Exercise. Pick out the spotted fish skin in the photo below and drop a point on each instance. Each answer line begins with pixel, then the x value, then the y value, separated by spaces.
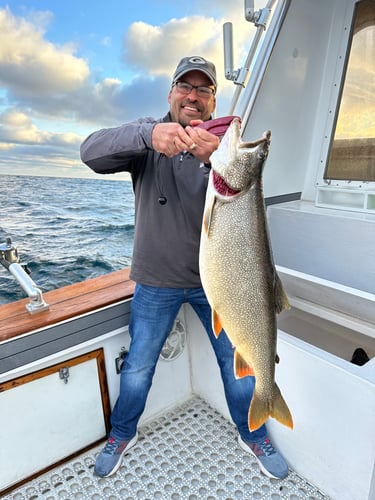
pixel 238 272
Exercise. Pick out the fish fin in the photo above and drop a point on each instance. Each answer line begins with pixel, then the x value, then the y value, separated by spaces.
pixel 261 409
pixel 216 323
pixel 241 367
pixel 207 220
pixel 281 298
pixel 207 217
pixel 259 412
pixel 280 409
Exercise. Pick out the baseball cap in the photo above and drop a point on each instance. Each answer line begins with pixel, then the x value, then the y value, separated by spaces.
pixel 196 63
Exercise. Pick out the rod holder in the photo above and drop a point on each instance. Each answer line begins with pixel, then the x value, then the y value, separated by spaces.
pixel 10 260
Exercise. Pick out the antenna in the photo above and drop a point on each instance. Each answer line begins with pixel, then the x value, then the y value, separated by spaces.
pixel 228 51
pixel 230 73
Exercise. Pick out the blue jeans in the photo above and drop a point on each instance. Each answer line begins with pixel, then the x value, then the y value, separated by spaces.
pixel 153 311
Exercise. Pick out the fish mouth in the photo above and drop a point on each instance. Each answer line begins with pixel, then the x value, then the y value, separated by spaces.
pixel 222 188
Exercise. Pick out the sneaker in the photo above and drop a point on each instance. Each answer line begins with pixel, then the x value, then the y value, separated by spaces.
pixel 270 461
pixel 109 459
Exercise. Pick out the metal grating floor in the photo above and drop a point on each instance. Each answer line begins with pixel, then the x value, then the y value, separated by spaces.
pixel 190 453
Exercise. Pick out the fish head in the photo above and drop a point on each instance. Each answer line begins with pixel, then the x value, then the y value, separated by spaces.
pixel 236 164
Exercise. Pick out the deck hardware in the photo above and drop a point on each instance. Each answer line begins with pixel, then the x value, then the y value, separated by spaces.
pixel 64 374
pixel 259 18
pixel 10 260
pixel 175 342
pixel 119 361
pixel 8 252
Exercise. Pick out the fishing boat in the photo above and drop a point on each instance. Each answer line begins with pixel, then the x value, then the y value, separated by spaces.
pixel 309 78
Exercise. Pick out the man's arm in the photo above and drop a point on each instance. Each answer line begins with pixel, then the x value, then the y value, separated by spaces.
pixel 115 149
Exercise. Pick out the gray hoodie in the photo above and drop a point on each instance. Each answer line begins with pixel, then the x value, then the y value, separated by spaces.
pixel 166 238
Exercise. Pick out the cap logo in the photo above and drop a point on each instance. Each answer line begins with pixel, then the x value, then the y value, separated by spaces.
pixel 197 60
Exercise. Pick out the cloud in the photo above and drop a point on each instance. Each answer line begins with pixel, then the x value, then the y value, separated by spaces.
pixel 156 50
pixel 32 149
pixel 30 64
pixel 14 118
pixel 16 127
pixel 54 82
pixel 52 98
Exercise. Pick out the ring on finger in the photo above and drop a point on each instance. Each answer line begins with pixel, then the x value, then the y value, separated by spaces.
pixel 192 146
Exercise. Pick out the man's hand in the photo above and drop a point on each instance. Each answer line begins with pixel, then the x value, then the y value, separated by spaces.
pixel 164 138
pixel 204 143
pixel 171 139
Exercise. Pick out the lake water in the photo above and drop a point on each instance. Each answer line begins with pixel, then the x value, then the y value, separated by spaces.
pixel 66 230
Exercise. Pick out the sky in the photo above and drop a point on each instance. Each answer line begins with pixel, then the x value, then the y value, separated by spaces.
pixel 68 68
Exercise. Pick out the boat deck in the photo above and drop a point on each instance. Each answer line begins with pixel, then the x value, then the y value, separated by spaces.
pixel 190 452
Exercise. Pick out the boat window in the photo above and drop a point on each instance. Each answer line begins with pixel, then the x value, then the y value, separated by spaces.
pixel 352 155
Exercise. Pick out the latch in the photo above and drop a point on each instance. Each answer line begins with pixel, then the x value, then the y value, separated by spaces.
pixel 120 360
pixel 64 374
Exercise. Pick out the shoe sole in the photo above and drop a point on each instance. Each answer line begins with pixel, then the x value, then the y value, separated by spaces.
pixel 246 448
pixel 131 443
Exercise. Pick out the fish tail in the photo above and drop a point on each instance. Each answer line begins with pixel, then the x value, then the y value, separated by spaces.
pixel 280 409
pixel 259 412
pixel 261 409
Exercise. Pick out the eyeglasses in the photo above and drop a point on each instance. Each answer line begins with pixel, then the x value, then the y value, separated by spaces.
pixel 202 91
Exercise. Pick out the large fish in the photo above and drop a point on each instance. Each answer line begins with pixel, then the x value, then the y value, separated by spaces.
pixel 237 269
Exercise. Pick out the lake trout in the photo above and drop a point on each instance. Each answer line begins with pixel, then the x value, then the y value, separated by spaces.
pixel 237 269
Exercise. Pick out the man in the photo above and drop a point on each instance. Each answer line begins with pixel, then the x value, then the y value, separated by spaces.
pixel 168 160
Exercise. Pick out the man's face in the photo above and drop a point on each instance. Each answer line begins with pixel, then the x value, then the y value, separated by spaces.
pixel 185 108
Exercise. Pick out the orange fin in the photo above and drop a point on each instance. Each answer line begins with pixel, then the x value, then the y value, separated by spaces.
pixel 261 409
pixel 241 368
pixel 280 410
pixel 216 323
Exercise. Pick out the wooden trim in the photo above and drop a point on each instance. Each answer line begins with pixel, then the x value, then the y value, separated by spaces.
pixel 66 303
